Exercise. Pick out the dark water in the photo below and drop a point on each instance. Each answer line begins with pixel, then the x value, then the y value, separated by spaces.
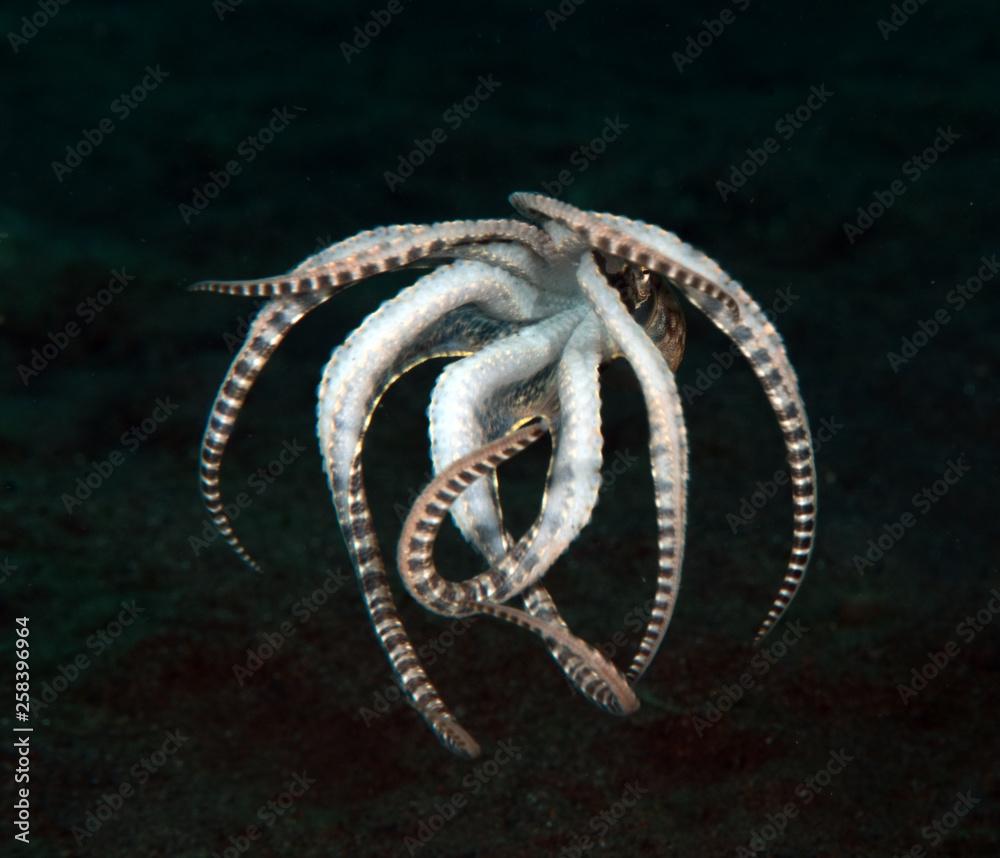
pixel 845 170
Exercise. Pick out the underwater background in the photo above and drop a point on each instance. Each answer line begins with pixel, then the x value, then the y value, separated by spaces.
pixel 840 160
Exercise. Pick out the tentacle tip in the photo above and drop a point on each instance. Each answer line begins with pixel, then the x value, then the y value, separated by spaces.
pixel 460 742
pixel 521 201
pixel 253 564
pixel 629 705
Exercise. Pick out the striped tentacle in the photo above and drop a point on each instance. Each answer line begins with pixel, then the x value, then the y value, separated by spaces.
pixel 633 241
pixel 471 406
pixel 581 676
pixel 381 251
pixel 464 413
pixel 269 328
pixel 762 346
pixel 574 479
pixel 353 380
pixel 667 451
pixel 587 668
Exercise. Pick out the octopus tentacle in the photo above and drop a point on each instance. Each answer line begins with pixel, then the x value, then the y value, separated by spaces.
pixel 461 410
pixel 764 349
pixel 467 410
pixel 597 678
pixel 581 676
pixel 714 293
pixel 390 250
pixel 534 311
pixel 352 383
pixel 571 491
pixel 269 328
pixel 633 241
pixel 667 450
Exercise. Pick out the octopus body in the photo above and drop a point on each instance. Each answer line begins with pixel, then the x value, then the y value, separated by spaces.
pixel 531 309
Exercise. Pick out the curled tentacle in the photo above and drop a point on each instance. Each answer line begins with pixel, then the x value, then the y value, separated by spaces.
pixel 474 402
pixel 599 680
pixel 574 478
pixel 463 416
pixel 395 337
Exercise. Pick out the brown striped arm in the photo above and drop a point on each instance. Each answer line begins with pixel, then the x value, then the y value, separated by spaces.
pixel 384 250
pixel 269 328
pixel 598 679
pixel 668 451
pixel 763 348
pixel 686 268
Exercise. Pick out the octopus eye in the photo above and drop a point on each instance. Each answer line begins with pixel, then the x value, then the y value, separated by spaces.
pixel 652 302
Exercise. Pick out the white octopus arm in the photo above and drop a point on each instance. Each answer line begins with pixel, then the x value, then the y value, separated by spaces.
pixel 667 449
pixel 457 426
pixel 352 381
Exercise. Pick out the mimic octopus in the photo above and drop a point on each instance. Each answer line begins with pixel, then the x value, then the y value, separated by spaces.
pixel 532 309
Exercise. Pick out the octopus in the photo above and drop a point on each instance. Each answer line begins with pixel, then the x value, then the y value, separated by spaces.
pixel 529 310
